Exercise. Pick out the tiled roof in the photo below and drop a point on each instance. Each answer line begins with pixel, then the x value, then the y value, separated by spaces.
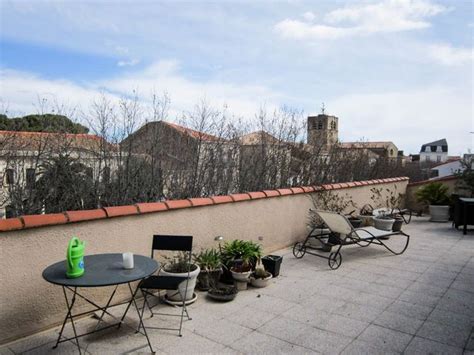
pixel 193 133
pixel 25 222
pixel 365 145
pixel 34 140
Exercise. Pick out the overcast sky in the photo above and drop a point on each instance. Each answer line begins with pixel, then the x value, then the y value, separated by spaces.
pixel 395 70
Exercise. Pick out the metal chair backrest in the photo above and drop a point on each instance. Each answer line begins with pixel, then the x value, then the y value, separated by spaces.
pixel 172 243
pixel 336 222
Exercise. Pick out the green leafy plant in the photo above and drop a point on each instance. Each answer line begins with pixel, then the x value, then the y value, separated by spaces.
pixel 246 253
pixel 434 193
pixel 208 259
pixel 179 263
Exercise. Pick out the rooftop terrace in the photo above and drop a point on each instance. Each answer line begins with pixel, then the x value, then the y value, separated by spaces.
pixel 420 302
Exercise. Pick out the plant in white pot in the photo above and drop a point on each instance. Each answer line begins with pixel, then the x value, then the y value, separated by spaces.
pixel 209 261
pixel 384 222
pixel 240 257
pixel 435 195
pixel 260 277
pixel 178 266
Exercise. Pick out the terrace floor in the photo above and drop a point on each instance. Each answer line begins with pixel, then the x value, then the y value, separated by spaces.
pixel 421 302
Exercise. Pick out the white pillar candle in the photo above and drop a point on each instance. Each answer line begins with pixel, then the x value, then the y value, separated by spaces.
pixel 127 260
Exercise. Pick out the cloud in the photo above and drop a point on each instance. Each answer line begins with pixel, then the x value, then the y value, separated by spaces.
pixel 309 16
pixel 448 55
pixel 363 20
pixel 408 118
pixel 20 90
pixel 128 63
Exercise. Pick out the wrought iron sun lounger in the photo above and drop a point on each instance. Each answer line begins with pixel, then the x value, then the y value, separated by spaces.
pixel 343 233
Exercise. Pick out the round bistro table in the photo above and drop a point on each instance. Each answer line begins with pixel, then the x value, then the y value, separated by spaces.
pixel 100 270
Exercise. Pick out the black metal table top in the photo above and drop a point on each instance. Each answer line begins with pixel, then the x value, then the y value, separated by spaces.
pixel 467 199
pixel 102 270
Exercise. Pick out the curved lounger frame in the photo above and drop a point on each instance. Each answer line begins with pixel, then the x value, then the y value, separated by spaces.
pixel 341 232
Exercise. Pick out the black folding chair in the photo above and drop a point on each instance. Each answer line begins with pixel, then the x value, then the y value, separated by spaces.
pixel 164 282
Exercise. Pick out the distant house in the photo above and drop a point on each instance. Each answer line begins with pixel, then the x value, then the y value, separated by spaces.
pixel 382 149
pixel 436 151
pixel 23 153
pixel 446 169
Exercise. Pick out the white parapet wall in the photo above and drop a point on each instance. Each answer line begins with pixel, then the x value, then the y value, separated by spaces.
pixel 29 244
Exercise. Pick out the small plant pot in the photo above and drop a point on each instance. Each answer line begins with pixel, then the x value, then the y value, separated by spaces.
pixel 367 221
pixel 385 224
pixel 356 222
pixel 175 295
pixel 223 294
pixel 241 285
pixel 241 276
pixel 272 264
pixel 260 282
pixel 439 213
pixel 397 225
pixel 208 278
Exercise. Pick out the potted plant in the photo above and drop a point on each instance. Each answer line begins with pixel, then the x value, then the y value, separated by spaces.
pixel 435 195
pixel 260 277
pixel 384 222
pixel 209 262
pixel 240 257
pixel 397 224
pixel 223 293
pixel 178 266
pixel 366 215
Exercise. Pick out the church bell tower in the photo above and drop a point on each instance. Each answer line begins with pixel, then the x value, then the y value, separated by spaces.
pixel 323 130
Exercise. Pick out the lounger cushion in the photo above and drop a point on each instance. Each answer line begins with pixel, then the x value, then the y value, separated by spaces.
pixel 372 232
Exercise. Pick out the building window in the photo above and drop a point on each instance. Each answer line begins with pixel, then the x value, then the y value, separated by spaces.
pixel 428 158
pixel 427 149
pixel 30 177
pixel 10 177
pixel 438 158
pixel 320 125
pixel 391 152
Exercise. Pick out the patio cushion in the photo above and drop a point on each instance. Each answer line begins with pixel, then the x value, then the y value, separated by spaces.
pixel 372 232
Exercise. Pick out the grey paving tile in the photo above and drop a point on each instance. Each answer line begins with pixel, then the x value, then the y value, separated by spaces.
pixel 384 290
pixel 250 317
pixel 323 302
pixel 192 343
pixel 341 325
pixel 410 310
pixel 222 331
pixel 359 347
pixel 272 304
pixel 424 346
pixel 451 319
pixel 398 322
pixel 259 343
pixel 443 333
pixel 371 300
pixel 322 341
pixel 385 338
pixel 419 298
pixel 285 329
pixel 432 290
pixel 358 312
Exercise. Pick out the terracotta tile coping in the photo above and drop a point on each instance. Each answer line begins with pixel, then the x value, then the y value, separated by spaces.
pixel 32 221
pixel 445 178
